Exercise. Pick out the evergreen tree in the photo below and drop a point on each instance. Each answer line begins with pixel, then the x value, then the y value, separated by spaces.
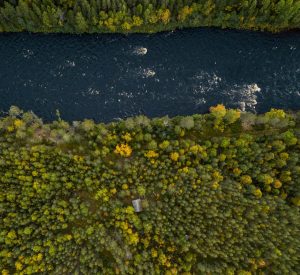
pixel 81 24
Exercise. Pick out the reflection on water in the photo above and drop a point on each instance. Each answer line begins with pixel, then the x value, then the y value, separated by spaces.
pixel 106 77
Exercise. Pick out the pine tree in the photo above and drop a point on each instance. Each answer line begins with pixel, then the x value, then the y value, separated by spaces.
pixel 46 21
pixel 81 24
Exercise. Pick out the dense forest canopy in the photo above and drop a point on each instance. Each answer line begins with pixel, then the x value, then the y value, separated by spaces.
pixel 220 195
pixel 80 16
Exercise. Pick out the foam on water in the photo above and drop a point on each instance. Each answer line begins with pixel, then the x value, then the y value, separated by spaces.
pixel 70 63
pixel 210 85
pixel 146 72
pixel 149 73
pixel 140 51
pixel 245 96
pixel 91 91
pixel 126 94
pixel 26 53
pixel 204 82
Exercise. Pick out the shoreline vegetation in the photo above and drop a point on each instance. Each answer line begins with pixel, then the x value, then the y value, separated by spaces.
pixel 220 194
pixel 146 16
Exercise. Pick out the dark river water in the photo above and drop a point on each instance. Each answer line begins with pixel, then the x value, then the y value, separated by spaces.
pixel 106 77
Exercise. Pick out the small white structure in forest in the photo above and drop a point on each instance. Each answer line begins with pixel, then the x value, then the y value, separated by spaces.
pixel 137 205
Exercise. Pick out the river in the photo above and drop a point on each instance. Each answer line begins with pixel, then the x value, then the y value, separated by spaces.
pixel 107 77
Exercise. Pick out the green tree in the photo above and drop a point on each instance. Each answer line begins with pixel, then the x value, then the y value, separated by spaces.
pixel 81 23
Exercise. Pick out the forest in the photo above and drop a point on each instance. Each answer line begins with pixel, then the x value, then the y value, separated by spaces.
pixel 219 192
pixel 146 16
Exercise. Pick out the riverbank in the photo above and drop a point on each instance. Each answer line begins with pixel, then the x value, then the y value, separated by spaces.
pixel 110 16
pixel 219 194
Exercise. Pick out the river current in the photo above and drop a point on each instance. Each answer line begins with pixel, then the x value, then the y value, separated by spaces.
pixel 108 77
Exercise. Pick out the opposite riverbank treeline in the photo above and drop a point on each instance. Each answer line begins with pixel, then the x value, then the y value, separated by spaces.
pixel 220 194
pixel 90 16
